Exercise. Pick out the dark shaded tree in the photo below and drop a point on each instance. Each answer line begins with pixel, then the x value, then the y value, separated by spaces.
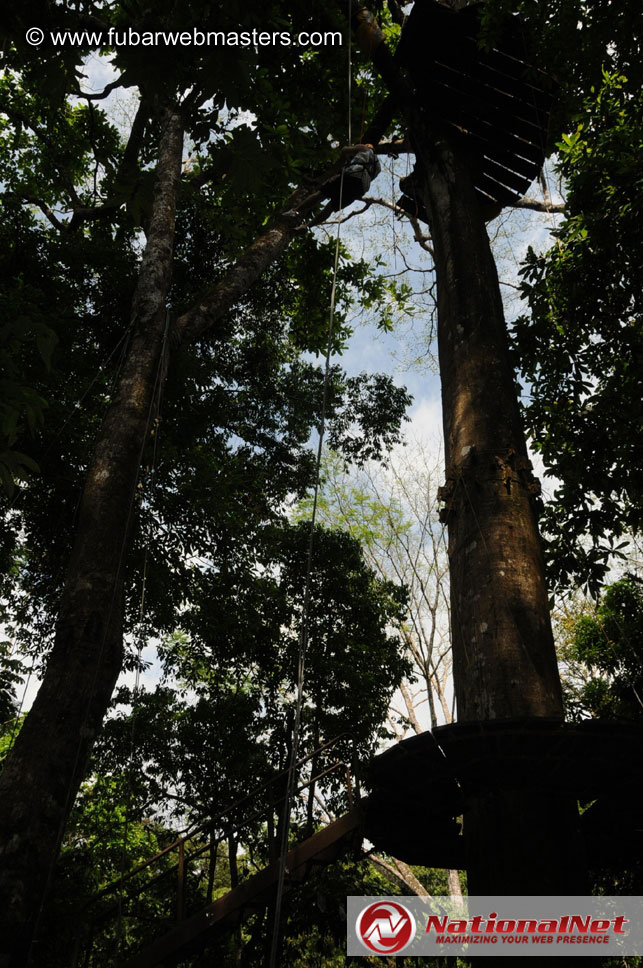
pixel 72 167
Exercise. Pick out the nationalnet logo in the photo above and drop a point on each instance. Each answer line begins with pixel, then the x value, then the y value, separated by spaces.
pixel 385 927
pixel 569 929
pixel 512 926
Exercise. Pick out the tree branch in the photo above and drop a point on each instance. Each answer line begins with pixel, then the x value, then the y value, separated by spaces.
pixel 119 82
pixel 420 237
pixel 400 874
pixel 410 709
pixel 127 171
pixel 269 246
pixel 47 212
pixel 539 206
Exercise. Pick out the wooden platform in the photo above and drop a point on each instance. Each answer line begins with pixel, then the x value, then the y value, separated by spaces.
pixel 494 98
pixel 421 786
pixel 413 804
pixel 586 760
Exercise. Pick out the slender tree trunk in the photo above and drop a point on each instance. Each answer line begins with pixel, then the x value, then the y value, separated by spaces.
pixel 44 770
pixel 453 882
pixel 504 661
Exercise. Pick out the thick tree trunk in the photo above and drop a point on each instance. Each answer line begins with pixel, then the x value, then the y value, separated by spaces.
pixel 504 661
pixel 45 768
pixel 43 772
pixel 503 650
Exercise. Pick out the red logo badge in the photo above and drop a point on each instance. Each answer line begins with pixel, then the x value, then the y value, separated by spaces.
pixel 385 927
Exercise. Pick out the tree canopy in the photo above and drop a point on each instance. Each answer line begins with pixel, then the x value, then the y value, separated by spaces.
pixel 164 317
pixel 580 349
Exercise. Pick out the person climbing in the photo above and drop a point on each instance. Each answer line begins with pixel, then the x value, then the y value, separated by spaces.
pixel 353 181
pixel 347 187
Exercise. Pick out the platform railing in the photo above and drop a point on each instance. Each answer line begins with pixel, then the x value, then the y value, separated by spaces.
pixel 264 803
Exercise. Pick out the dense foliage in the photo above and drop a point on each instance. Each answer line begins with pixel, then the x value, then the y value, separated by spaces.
pixel 605 639
pixel 581 347
pixel 214 569
pixel 218 726
pixel 238 410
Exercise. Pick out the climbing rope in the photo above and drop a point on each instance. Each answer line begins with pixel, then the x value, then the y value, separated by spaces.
pixel 303 633
pixel 157 396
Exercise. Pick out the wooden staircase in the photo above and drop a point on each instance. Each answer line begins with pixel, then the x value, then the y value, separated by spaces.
pixel 198 921
pixel 193 934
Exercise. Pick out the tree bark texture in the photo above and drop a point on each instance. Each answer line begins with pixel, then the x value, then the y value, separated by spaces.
pixel 504 661
pixel 265 250
pixel 503 650
pixel 44 770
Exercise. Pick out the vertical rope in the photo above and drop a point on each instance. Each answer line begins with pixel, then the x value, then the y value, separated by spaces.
pixel 158 389
pixel 303 633
pixel 350 73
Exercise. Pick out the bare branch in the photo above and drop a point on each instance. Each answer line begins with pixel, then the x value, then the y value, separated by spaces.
pixel 420 237
pixel 401 146
pixel 408 702
pixel 536 205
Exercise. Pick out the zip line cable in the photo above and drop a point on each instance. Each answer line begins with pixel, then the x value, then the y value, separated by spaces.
pixel 303 634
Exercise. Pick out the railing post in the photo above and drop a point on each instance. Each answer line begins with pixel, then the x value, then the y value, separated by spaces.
pixel 349 788
pixel 272 854
pixel 180 897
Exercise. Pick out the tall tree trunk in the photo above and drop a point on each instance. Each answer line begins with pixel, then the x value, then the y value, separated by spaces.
pixel 504 661
pixel 44 770
pixel 503 649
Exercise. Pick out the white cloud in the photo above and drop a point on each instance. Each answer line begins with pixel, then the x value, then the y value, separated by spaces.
pixel 426 421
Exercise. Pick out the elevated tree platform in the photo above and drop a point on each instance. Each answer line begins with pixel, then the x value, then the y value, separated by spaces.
pixel 413 805
pixel 428 780
pixel 493 97
pixel 420 788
